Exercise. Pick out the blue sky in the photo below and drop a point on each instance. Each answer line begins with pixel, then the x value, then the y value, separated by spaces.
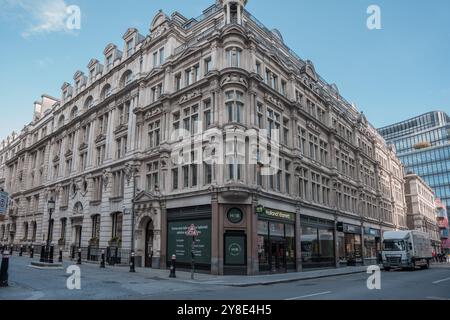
pixel 391 74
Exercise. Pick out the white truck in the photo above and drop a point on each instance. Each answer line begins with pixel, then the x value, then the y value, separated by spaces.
pixel 406 249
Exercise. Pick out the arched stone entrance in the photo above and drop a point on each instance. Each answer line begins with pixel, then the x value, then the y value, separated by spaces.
pixel 147 231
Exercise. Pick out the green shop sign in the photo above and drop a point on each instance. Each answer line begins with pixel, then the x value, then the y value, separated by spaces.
pixel 235 215
pixel 266 213
pixel 180 244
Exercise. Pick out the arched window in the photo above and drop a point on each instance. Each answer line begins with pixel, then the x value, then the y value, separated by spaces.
pixel 127 78
pixel 61 121
pixel 234 101
pixel 106 92
pixel 234 57
pixel 89 102
pixel 74 113
pixel 78 209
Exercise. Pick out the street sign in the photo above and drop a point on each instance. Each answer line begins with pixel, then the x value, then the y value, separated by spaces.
pixel 192 231
pixel 3 202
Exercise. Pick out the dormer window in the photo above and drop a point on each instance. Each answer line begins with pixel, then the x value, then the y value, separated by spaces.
pixel 77 86
pixel 92 75
pixel 109 63
pixel 130 48
pixel 106 92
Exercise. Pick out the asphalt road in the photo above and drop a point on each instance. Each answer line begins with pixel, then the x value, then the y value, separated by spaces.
pixel 113 283
pixel 433 284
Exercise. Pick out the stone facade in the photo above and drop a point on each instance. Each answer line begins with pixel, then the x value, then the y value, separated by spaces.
pixel 421 207
pixel 112 136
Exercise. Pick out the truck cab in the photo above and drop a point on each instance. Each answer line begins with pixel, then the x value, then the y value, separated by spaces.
pixel 406 249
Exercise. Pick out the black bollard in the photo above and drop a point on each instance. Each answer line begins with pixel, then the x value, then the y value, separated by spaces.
pixel 42 259
pixel 51 254
pixel 79 257
pixel 132 263
pixel 32 252
pixel 173 267
pixel 4 269
pixel 102 262
pixel 11 250
pixel 60 259
pixel 21 251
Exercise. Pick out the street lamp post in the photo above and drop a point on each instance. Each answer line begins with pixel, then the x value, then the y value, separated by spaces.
pixel 51 208
pixel 132 256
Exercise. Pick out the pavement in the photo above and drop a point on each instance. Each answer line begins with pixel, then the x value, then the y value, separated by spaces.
pixel 113 283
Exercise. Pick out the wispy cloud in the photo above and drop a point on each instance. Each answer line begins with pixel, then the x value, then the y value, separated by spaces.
pixel 38 17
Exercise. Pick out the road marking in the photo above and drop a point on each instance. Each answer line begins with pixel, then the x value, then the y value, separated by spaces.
pixel 443 280
pixel 310 295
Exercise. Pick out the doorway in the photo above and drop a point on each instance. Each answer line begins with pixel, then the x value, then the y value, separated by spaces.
pixel 149 245
pixel 78 232
pixel 278 256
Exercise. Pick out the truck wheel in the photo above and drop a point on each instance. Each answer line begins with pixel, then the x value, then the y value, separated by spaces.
pixel 387 269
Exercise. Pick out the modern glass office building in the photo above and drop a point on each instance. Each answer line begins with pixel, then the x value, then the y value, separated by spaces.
pixel 423 145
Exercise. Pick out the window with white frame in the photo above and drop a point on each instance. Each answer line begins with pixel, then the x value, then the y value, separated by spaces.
pixel 130 48
pixel 234 57
pixel 121 147
pixel 101 152
pixel 123 113
pixel 208 65
pixel 191 120
pixel 109 62
pixel 118 183
pixel 98 188
pixel 207 114
pixel 152 176
pixel 154 134
pixel 234 101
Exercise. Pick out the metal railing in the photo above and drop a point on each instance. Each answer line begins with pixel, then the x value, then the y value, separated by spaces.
pixel 113 255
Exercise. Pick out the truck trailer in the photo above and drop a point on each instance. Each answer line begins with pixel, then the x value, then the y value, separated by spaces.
pixel 406 249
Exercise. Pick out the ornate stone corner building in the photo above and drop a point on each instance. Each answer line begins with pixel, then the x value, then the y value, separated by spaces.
pixel 105 150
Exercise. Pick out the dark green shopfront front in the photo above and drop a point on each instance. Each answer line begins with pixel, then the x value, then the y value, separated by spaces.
pixel 253 239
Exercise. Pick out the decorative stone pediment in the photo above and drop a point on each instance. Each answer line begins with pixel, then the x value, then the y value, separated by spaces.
pixel 189 96
pixel 158 21
pixel 309 70
pixel 234 79
pixel 311 125
pixel 152 112
pixel 129 33
pixel 92 63
pixel 273 100
pixel 82 146
pixel 56 158
pixel 145 197
pixel 110 47
pixel 100 138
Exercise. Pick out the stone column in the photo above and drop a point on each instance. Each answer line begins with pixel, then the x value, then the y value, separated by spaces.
pixel 216 264
pixel 163 236
pixel 298 238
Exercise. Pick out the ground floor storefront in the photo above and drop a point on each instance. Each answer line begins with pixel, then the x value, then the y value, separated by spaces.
pixel 238 233
pixel 259 236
